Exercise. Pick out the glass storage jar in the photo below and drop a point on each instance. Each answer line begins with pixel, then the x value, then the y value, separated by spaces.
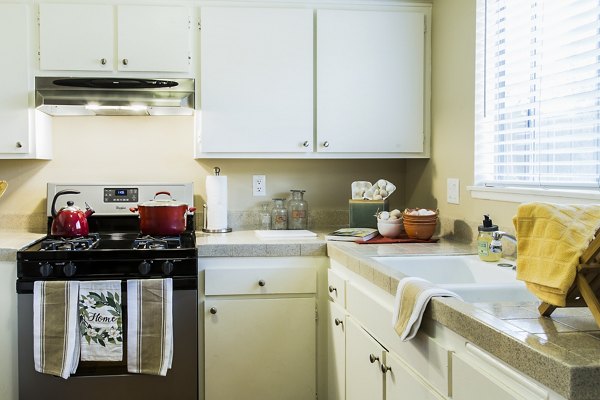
pixel 278 215
pixel 297 210
pixel 264 217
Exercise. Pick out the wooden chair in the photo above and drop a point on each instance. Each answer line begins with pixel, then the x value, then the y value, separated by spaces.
pixel 586 288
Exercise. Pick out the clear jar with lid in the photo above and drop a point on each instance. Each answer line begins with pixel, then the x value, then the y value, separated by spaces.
pixel 279 215
pixel 264 217
pixel 297 210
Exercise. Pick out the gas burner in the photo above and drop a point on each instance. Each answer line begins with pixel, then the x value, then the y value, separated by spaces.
pixel 163 242
pixel 70 244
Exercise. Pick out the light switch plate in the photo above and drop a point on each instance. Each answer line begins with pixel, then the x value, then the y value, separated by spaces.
pixel 453 190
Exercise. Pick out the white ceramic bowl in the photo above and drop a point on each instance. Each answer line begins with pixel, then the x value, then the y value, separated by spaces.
pixel 390 229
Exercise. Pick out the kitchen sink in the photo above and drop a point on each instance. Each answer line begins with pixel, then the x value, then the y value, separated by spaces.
pixel 474 280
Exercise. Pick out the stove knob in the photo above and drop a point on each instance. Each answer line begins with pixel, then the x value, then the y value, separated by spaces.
pixel 144 267
pixel 167 267
pixel 46 269
pixel 69 269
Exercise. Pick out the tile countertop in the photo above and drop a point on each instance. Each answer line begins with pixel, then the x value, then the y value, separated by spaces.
pixel 562 352
pixel 11 241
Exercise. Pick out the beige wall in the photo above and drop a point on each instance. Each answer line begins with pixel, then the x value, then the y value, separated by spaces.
pixel 453 59
pixel 159 149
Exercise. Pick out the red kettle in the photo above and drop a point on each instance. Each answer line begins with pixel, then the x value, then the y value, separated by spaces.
pixel 70 221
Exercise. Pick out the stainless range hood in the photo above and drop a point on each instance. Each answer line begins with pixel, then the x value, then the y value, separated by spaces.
pixel 114 96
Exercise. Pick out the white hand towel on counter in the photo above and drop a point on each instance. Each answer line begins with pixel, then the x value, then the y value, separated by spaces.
pixel 55 327
pixel 100 321
pixel 412 296
pixel 149 326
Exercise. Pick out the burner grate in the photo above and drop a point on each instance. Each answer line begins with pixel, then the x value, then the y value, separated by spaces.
pixel 163 242
pixel 79 243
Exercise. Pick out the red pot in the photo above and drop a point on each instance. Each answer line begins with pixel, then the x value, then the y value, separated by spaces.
pixel 162 217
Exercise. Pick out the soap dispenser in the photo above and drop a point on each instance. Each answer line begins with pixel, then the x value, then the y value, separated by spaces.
pixel 486 251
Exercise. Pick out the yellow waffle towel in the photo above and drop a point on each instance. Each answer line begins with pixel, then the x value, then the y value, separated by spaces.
pixel 551 238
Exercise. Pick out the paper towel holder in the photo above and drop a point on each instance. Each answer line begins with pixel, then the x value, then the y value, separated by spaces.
pixel 205 224
pixel 217 171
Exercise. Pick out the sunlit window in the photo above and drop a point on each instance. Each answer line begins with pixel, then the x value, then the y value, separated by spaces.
pixel 538 93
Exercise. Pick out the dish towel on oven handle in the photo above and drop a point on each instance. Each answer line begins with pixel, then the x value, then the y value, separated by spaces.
pixel 55 327
pixel 149 326
pixel 100 321
pixel 412 296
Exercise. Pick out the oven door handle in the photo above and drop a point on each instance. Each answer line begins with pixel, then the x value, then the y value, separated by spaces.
pixel 179 283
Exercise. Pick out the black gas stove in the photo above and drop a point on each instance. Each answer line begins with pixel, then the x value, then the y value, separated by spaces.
pixel 113 249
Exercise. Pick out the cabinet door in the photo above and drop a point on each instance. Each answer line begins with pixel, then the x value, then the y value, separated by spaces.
pixel 403 384
pixel 471 378
pixel 154 38
pixel 256 84
pixel 370 81
pixel 260 349
pixel 14 47
pixel 336 358
pixel 77 37
pixel 364 379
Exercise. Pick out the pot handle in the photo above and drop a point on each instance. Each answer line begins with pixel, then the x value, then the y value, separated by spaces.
pixel 167 193
pixel 133 209
pixel 191 209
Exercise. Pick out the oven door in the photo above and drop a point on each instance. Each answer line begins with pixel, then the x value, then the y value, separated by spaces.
pixel 105 380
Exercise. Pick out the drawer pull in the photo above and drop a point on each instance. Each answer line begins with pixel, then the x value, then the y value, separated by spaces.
pixel 262 282
pixel 332 289
pixel 385 368
pixel 373 358
pixel 338 322
pixel 213 310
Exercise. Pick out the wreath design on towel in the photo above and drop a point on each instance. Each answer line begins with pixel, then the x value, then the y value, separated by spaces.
pixel 93 301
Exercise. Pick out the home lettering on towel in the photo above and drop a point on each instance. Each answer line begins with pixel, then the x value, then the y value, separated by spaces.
pixel 100 321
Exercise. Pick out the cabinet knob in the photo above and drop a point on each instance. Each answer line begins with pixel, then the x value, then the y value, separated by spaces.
pixel 213 310
pixel 19 145
pixel 338 322
pixel 332 289
pixel 373 358
pixel 385 368
pixel 103 61
pixel 306 144
pixel 325 144
pixel 262 282
pixel 125 61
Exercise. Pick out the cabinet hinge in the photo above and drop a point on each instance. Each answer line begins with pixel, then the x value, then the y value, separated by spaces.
pixel 316 313
pixel 425 25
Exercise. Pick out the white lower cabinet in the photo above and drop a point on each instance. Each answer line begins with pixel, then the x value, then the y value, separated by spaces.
pixel 403 384
pixel 336 348
pixel 476 372
pixel 259 349
pixel 260 329
pixel 437 364
pixel 364 379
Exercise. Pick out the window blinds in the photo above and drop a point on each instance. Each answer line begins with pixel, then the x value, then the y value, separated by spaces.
pixel 538 93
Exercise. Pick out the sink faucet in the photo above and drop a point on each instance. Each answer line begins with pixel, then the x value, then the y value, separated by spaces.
pixel 497 235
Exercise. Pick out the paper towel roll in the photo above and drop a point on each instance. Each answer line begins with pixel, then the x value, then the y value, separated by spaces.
pixel 216 202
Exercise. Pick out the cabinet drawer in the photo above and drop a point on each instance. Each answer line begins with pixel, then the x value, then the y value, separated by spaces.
pixel 336 286
pixel 422 353
pixel 267 280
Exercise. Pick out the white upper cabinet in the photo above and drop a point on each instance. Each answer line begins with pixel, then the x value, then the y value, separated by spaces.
pixel 306 83
pixel 370 81
pixel 256 82
pixel 154 38
pixel 78 37
pixel 81 37
pixel 23 132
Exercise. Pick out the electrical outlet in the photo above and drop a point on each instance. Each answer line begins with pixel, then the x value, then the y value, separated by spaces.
pixel 259 185
pixel 453 190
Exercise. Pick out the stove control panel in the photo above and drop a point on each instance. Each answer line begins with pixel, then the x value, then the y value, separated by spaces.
pixel 121 195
